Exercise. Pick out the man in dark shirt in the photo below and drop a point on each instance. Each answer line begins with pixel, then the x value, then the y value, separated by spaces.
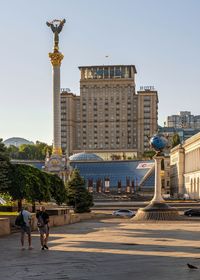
pixel 43 227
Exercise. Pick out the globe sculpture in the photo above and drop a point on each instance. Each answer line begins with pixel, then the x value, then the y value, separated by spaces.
pixel 158 142
pixel 157 208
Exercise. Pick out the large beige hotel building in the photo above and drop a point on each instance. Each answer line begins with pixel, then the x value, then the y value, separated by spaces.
pixel 108 118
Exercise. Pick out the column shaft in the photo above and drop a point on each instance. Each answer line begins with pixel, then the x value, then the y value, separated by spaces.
pixel 56 111
pixel 157 192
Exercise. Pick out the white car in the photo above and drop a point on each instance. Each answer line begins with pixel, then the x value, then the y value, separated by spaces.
pixel 2 201
pixel 123 213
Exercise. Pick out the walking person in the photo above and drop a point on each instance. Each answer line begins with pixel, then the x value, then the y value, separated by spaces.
pixel 43 227
pixel 25 226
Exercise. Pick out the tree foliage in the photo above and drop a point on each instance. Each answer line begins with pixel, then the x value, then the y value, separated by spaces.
pixel 30 151
pixel 77 194
pixel 57 188
pixel 4 166
pixel 175 140
pixel 28 182
pixel 38 186
pixel 149 154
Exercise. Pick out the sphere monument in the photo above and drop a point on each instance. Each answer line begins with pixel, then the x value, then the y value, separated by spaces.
pixel 157 208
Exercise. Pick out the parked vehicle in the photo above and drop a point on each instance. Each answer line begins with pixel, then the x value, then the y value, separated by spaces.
pixel 123 213
pixel 192 212
pixel 2 201
pixel 166 195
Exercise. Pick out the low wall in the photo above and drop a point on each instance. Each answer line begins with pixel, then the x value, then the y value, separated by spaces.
pixel 74 218
pixel 64 219
pixel 8 208
pixel 8 222
pixel 4 226
pixel 11 219
pixel 86 216
pixel 57 211
pixel 59 220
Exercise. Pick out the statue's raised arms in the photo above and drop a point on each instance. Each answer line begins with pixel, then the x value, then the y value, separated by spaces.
pixel 56 26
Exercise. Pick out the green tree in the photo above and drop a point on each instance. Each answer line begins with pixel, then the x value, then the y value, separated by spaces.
pixel 38 186
pixel 149 154
pixel 18 177
pixel 4 167
pixel 13 152
pixel 33 185
pixel 41 150
pixel 77 194
pixel 28 182
pixel 175 140
pixel 57 189
pixel 30 151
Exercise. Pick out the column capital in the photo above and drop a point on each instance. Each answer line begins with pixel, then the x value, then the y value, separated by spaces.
pixel 158 158
pixel 57 151
pixel 56 58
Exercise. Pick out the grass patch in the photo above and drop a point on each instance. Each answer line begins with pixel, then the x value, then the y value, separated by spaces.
pixel 8 213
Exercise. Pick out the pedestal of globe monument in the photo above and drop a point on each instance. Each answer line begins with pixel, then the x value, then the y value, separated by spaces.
pixel 157 208
pixel 157 211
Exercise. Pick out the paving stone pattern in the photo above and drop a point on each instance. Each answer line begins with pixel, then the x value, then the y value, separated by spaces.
pixel 110 249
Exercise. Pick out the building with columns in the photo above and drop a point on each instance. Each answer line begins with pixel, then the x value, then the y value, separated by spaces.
pixel 185 168
pixel 108 118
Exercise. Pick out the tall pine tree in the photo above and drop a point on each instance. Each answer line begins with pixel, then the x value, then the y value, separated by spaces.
pixel 4 165
pixel 77 194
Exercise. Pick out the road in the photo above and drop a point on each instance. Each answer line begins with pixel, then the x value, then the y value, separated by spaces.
pixel 107 249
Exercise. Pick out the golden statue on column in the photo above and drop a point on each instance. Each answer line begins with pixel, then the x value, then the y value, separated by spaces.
pixel 56 26
pixel 57 162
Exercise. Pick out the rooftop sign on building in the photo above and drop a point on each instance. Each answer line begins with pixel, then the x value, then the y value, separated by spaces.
pixel 145 165
pixel 147 88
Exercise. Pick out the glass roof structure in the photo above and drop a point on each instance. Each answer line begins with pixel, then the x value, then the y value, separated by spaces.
pixel 85 157
pixel 114 170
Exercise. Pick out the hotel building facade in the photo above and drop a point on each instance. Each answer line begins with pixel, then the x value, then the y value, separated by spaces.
pixel 108 118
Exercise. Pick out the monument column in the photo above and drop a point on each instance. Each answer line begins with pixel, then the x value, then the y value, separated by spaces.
pixel 158 190
pixel 56 58
pixel 157 208
pixel 56 163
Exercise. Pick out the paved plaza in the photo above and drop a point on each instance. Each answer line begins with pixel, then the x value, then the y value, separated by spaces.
pixel 107 249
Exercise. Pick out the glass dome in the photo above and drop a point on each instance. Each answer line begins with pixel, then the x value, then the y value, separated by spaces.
pixel 16 141
pixel 85 157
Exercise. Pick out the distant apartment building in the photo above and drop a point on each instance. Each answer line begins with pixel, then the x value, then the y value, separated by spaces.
pixel 108 118
pixel 184 133
pixel 183 120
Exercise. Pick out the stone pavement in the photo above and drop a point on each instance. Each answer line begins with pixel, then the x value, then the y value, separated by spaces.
pixel 109 249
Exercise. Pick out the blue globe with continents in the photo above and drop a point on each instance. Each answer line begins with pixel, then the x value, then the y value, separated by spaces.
pixel 158 142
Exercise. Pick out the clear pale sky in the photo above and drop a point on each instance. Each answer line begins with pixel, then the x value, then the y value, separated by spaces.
pixel 161 38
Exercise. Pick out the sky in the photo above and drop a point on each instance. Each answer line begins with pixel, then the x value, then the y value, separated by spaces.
pixel 161 38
